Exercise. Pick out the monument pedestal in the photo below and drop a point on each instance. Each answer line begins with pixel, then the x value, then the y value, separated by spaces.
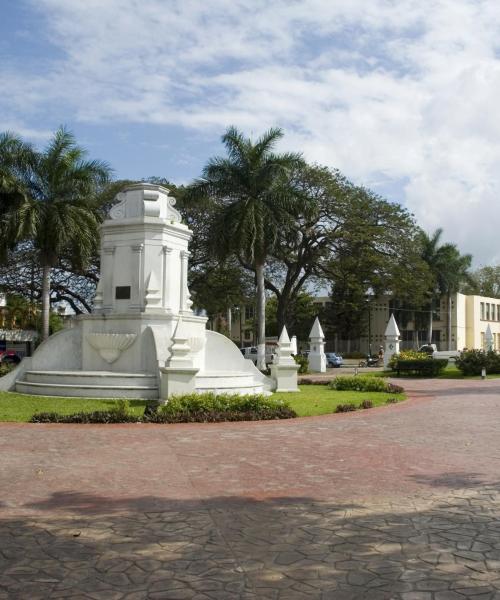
pixel 177 381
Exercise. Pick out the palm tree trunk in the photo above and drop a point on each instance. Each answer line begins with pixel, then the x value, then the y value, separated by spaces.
pixel 448 334
pixel 429 341
pixel 45 301
pixel 261 317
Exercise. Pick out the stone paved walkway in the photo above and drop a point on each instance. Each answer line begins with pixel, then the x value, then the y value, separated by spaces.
pixel 400 502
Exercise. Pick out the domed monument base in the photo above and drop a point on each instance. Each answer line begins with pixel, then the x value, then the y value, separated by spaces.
pixel 142 339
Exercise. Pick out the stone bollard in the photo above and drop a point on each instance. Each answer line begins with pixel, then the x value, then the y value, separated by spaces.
pixel 391 337
pixel 317 358
pixel 284 368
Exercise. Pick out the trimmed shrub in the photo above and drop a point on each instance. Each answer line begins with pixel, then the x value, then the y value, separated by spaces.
pixel 359 384
pixel 427 367
pixel 353 355
pixel 184 409
pixel 97 416
pixel 303 363
pixel 348 407
pixel 366 404
pixel 417 363
pixel 392 388
pixel 407 355
pixel 312 382
pixel 210 407
pixel 471 362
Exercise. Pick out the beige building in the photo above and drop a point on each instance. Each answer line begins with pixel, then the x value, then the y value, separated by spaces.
pixel 470 316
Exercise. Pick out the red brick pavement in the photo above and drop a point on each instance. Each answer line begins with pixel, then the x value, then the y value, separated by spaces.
pixel 394 503
pixel 445 435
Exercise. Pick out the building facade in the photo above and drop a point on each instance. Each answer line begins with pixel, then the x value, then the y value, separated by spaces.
pixel 466 322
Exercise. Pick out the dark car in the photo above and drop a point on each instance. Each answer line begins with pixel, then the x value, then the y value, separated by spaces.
pixel 10 358
pixel 333 360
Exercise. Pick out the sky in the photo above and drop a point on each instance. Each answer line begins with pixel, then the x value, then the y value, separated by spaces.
pixel 401 95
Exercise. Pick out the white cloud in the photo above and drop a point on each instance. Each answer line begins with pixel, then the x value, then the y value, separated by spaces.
pixel 386 90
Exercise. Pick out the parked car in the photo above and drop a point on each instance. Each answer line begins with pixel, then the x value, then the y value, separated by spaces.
pixel 10 358
pixel 251 354
pixel 432 350
pixel 333 360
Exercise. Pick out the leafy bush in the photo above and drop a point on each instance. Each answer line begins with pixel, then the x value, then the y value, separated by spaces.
pixel 471 362
pixel 312 382
pixel 359 384
pixel 366 404
pixel 98 416
pixel 6 368
pixel 210 407
pixel 184 409
pixel 353 355
pixel 427 367
pixel 420 363
pixel 407 355
pixel 348 407
pixel 391 401
pixel 392 388
pixel 303 363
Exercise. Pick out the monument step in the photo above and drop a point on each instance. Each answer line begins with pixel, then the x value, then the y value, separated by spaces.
pixel 91 384
pixel 96 378
pixel 223 382
pixel 224 379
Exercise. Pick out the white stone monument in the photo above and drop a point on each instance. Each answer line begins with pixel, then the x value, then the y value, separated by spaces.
pixel 293 347
pixel 142 339
pixel 284 368
pixel 391 337
pixel 317 358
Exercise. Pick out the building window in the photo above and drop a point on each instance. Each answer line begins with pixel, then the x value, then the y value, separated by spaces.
pixel 249 312
pixel 487 311
pixel 482 311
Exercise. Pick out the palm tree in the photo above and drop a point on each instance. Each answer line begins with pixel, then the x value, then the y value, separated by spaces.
pixel 256 199
pixel 448 268
pixel 49 200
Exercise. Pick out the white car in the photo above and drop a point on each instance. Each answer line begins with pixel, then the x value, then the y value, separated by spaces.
pixel 445 354
pixel 251 353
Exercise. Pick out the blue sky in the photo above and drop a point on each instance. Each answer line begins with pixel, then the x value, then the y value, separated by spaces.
pixel 400 95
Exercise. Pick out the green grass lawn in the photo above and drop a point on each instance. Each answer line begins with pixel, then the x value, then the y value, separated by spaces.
pixel 21 407
pixel 451 372
pixel 312 400
pixel 320 400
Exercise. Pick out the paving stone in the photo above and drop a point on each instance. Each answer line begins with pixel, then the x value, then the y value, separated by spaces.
pixel 261 511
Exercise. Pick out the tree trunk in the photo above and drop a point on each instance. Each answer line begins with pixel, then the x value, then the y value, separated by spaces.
pixel 229 323
pixel 45 301
pixel 448 333
pixel 429 337
pixel 261 317
pixel 281 314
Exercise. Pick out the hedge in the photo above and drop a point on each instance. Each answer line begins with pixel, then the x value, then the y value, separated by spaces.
pixel 472 362
pixel 358 383
pixel 189 408
pixel 429 367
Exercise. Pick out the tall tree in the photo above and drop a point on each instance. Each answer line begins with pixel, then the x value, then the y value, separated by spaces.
pixel 252 188
pixel 449 270
pixel 485 281
pixel 57 210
